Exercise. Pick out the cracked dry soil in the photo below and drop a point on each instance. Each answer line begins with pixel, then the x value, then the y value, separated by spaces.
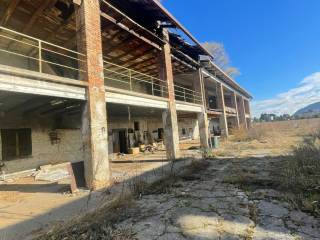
pixel 201 205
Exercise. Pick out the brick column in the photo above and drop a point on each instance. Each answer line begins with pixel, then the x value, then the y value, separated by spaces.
pixel 235 105
pixel 202 117
pixel 169 116
pixel 94 118
pixel 222 107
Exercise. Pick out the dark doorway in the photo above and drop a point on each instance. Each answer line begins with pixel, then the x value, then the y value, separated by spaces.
pixel 123 141
pixel 213 102
pixel 160 133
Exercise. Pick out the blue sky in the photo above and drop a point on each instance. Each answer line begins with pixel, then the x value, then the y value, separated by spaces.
pixel 274 43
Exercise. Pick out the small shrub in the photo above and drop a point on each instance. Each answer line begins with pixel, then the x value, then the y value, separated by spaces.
pixel 137 186
pixel 207 153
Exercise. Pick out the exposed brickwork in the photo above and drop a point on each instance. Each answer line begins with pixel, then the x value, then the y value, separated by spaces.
pixel 95 133
pixel 169 117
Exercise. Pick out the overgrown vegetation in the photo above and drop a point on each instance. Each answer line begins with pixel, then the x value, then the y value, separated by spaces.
pixel 102 223
pixel 255 133
pixel 296 176
pixel 302 174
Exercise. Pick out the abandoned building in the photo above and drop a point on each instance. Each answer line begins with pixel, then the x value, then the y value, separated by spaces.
pixel 83 80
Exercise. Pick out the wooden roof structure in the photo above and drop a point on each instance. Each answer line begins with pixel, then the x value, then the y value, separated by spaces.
pixel 131 35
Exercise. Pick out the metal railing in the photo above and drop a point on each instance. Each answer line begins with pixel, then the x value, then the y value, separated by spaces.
pixel 187 95
pixel 128 79
pixel 23 51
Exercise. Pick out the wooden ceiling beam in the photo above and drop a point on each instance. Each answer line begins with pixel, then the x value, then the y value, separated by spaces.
pixel 32 20
pixel 126 53
pixel 36 14
pixel 138 63
pixel 123 43
pixel 182 62
pixel 55 32
pixel 153 70
pixel 9 11
pixel 144 53
pixel 132 31
pixel 139 69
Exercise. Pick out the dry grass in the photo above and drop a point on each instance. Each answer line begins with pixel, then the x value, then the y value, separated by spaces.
pixel 258 132
pixel 296 174
pixel 97 225
pixel 101 223
pixel 302 174
pixel 262 131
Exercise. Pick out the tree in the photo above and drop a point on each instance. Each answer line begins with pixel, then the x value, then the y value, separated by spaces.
pixel 221 58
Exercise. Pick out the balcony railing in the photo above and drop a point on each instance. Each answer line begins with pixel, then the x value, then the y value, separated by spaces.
pixel 187 95
pixel 23 51
pixel 128 79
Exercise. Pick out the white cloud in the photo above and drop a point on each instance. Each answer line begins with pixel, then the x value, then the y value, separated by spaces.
pixel 306 93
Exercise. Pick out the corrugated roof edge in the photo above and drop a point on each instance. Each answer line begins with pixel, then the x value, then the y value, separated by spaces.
pixel 178 24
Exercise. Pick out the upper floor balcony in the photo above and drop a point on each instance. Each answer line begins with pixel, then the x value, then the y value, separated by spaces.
pixel 64 65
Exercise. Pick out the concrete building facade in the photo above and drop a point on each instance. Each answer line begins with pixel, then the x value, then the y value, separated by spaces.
pixel 87 80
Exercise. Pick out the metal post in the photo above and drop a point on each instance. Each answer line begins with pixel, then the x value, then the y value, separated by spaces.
pixel 40 55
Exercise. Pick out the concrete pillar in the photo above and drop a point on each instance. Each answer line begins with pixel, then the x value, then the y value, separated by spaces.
pixel 222 107
pixel 235 105
pixel 202 117
pixel 169 117
pixel 94 118
pixel 248 112
pixel 203 129
pixel 242 113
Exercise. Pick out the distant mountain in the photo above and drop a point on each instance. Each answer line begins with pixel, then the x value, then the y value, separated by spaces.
pixel 308 111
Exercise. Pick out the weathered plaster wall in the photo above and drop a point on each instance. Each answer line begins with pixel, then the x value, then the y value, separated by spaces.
pixel 69 147
pixel 191 128
pixel 66 149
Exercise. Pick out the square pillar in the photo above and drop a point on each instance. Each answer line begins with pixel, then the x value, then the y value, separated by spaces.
pixel 235 105
pixel 169 116
pixel 203 129
pixel 222 107
pixel 248 112
pixel 202 117
pixel 242 113
pixel 94 117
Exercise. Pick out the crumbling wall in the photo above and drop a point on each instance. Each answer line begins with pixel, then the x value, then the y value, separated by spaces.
pixel 64 147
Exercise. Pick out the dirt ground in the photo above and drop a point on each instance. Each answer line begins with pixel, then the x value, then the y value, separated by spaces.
pixel 28 206
pixel 234 195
